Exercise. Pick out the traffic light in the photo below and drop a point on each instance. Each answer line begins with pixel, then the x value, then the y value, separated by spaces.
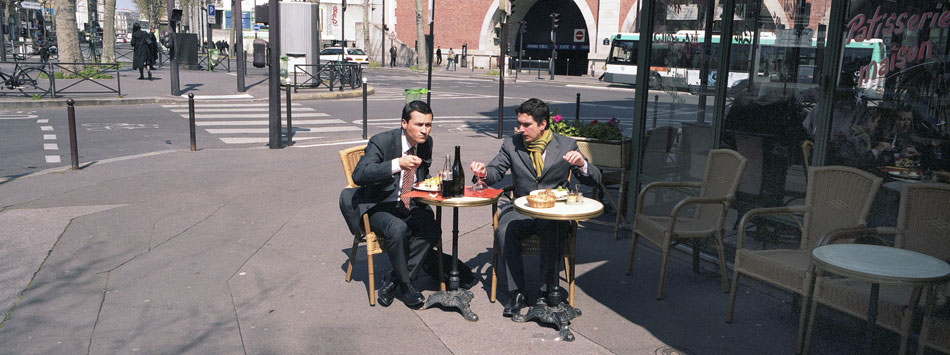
pixel 554 20
pixel 524 26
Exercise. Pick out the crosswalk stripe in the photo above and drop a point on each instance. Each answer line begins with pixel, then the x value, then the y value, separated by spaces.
pixel 264 123
pixel 265 130
pixel 248 140
pixel 254 115
pixel 243 109
pixel 227 105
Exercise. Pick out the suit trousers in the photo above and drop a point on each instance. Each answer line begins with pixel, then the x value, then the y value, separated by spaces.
pixel 408 237
pixel 512 228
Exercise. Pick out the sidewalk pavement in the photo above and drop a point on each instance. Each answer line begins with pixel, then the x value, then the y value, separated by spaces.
pixel 222 85
pixel 244 251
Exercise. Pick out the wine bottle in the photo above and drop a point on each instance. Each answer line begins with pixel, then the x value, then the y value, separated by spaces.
pixel 458 174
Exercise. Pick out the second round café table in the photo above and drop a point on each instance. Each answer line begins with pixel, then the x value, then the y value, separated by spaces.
pixel 453 296
pixel 561 313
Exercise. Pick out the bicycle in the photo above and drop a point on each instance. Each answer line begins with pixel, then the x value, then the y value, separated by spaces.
pixel 28 80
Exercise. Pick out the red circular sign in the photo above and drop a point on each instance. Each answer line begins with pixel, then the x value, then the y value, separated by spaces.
pixel 579 35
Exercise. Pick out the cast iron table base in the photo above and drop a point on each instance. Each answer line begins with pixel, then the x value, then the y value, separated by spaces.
pixel 454 297
pixel 561 316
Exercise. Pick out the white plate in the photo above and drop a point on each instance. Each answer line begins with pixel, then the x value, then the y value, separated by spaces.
pixel 558 195
pixel 419 187
pixel 909 175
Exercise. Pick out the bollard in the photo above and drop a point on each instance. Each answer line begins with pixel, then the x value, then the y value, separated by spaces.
pixel 364 108
pixel 191 120
pixel 290 126
pixel 577 108
pixel 73 145
pixel 656 104
pixel 671 111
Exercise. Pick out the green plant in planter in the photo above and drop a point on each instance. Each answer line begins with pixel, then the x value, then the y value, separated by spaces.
pixel 607 131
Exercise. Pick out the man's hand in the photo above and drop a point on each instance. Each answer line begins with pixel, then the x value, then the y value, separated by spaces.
pixel 409 162
pixel 909 152
pixel 478 168
pixel 883 147
pixel 574 158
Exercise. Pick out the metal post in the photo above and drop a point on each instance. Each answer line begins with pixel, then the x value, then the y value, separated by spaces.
pixel 290 125
pixel 173 71
pixel 238 50
pixel 656 105
pixel 577 107
pixel 73 145
pixel 431 51
pixel 364 108
pixel 502 51
pixel 382 54
pixel 3 39
pixel 274 75
pixel 191 121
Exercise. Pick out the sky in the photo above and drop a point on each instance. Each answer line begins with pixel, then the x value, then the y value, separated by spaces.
pixel 125 4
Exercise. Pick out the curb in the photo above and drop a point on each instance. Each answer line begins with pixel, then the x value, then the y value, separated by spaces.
pixel 61 102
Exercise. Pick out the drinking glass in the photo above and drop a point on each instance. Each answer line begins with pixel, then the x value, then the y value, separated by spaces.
pixel 480 183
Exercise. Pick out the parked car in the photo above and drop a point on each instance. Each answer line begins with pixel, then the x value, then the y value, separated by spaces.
pixel 352 55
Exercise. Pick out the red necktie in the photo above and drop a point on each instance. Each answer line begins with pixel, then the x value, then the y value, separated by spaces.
pixel 408 177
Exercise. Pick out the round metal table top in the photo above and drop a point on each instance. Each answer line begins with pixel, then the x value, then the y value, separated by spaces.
pixel 561 211
pixel 466 201
pixel 880 263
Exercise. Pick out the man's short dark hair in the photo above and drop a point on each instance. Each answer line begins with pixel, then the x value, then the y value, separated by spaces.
pixel 417 106
pixel 535 108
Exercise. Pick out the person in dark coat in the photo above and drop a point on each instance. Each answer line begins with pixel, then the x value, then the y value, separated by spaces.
pixel 141 54
pixel 153 52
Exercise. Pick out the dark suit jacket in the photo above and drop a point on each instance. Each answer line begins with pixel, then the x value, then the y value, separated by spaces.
pixel 374 175
pixel 515 157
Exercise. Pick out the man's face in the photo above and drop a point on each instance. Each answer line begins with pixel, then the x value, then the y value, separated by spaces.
pixel 529 128
pixel 418 127
pixel 904 119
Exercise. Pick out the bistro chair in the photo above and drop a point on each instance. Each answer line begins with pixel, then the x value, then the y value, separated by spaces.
pixel 349 157
pixel 532 246
pixel 612 160
pixel 923 226
pixel 935 331
pixel 836 197
pixel 724 168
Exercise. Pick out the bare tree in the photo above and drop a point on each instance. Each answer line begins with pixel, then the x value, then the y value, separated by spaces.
pixel 108 33
pixel 421 50
pixel 152 10
pixel 67 34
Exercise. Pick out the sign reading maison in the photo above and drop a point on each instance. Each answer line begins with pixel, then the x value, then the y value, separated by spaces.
pixel 882 25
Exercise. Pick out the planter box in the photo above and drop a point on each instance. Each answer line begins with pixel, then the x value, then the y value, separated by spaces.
pixel 606 154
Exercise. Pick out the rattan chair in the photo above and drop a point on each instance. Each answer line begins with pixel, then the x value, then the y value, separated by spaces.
pixel 532 246
pixel 724 168
pixel 349 157
pixel 923 225
pixel 836 197
pixel 934 332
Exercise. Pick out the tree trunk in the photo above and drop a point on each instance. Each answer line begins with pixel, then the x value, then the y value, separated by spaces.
pixel 366 29
pixel 67 37
pixel 108 33
pixel 421 50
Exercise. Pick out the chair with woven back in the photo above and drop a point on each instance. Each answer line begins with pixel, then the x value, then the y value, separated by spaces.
pixel 836 197
pixel 724 168
pixel 349 157
pixel 923 226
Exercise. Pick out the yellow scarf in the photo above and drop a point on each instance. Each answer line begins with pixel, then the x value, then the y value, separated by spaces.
pixel 536 148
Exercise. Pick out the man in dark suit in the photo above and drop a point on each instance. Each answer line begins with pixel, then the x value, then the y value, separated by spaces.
pixel 538 159
pixel 394 161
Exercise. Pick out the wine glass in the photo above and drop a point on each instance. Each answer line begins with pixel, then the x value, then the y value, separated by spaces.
pixel 480 184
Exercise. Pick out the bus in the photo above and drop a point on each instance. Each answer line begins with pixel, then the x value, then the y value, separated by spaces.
pixel 677 60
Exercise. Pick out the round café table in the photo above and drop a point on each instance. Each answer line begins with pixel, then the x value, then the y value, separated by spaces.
pixel 876 264
pixel 453 296
pixel 561 313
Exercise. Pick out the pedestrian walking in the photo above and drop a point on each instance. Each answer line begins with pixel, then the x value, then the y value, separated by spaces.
pixel 451 60
pixel 141 51
pixel 392 56
pixel 153 53
pixel 438 56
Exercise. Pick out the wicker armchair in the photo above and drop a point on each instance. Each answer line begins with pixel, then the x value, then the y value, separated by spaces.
pixel 724 168
pixel 923 225
pixel 934 332
pixel 349 157
pixel 532 246
pixel 836 197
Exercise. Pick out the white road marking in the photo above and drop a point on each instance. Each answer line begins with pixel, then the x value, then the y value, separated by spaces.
pixel 265 130
pixel 254 115
pixel 17 117
pixel 264 123
pixel 232 105
pixel 46 128
pixel 220 97
pixel 43 121
pixel 50 146
pixel 362 141
pixel 53 159
pixel 49 137
pixel 242 109
pixel 248 140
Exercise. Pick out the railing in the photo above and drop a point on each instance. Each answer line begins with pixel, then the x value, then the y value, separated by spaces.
pixel 88 77
pixel 222 60
pixel 329 75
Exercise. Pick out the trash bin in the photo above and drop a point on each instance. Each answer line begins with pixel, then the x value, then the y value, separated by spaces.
pixel 283 69
pixel 415 94
pixel 212 58
pixel 294 59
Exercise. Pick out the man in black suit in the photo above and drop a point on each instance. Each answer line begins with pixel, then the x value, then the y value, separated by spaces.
pixel 538 159
pixel 394 161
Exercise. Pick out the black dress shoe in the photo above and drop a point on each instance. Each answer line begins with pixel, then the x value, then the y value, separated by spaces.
pixel 514 305
pixel 386 293
pixel 410 296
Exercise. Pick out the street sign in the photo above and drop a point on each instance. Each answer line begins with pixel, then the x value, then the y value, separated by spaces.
pixel 32 5
pixel 580 35
pixel 257 27
pixel 210 9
